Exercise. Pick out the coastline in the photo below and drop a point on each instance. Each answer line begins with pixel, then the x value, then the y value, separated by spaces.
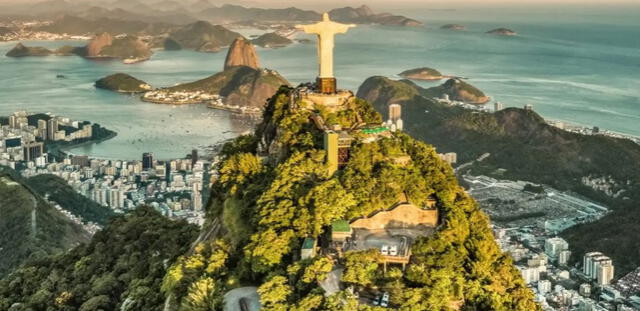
pixel 64 150
pixel 210 104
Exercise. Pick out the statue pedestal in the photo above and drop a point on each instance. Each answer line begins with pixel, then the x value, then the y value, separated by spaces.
pixel 326 85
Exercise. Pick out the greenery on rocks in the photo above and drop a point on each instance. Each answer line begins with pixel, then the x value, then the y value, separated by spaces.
pixel 123 83
pixel 522 146
pixel 122 268
pixel 274 190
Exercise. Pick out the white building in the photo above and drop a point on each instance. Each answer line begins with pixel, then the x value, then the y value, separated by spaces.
pixel 530 274
pixel 553 247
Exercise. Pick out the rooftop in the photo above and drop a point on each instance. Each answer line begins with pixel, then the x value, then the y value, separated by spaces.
pixel 340 226
pixel 308 243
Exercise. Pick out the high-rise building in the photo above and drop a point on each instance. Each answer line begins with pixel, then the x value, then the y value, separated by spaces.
pixel 82 161
pixel 395 112
pixel 587 262
pixel 585 289
pixel 18 119
pixel 498 106
pixel 553 247
pixel 194 156
pixel 147 161
pixel 544 286
pixel 598 267
pixel 530 274
pixel 563 257
pixel 52 128
pixel 604 272
pixel 395 117
pixel 33 150
pixel 42 129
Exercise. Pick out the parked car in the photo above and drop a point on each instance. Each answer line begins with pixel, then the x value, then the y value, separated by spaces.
pixel 376 301
pixel 384 250
pixel 393 250
pixel 384 302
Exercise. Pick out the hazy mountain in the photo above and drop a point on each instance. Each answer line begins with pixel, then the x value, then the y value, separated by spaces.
pixel 200 36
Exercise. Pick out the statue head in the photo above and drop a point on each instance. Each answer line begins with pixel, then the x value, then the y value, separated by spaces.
pixel 325 17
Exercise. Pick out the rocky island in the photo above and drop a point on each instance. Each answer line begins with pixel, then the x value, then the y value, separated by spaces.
pixel 123 83
pixel 242 87
pixel 396 91
pixel 502 32
pixel 453 27
pixel 128 48
pixel 424 73
pixel 20 50
pixel 272 40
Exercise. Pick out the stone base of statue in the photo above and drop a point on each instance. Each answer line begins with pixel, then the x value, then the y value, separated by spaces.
pixel 326 85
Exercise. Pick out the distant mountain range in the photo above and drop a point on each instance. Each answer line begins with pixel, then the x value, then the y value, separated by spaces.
pixel 178 13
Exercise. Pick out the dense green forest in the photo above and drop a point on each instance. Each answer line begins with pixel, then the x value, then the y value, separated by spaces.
pixel 31 228
pixel 120 269
pixel 60 192
pixel 268 205
pixel 523 146
pixel 273 190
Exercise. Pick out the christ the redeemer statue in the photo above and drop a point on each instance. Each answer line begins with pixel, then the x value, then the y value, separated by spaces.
pixel 326 30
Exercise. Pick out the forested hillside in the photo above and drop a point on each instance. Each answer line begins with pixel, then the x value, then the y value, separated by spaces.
pixel 274 190
pixel 120 269
pixel 30 227
pixel 525 147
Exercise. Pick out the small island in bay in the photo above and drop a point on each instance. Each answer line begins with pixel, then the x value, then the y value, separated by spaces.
pixel 20 50
pixel 502 32
pixel 453 27
pixel 271 40
pixel 129 49
pixel 424 73
pixel 123 83
pixel 242 86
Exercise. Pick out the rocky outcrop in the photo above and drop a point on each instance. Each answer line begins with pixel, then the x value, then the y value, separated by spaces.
pixel 271 40
pixel 128 48
pixel 21 50
pixel 502 32
pixel 381 89
pixel 464 92
pixel 453 27
pixel 423 73
pixel 122 83
pixel 241 86
pixel 242 53
pixel 98 43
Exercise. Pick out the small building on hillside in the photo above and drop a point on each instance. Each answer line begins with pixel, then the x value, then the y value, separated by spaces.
pixel 308 249
pixel 340 231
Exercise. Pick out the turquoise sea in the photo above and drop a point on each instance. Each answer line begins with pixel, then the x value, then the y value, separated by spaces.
pixel 582 67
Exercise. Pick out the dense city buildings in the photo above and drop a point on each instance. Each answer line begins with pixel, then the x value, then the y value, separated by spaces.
pixel 173 187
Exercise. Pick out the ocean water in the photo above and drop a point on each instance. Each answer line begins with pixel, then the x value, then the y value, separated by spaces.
pixel 582 67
